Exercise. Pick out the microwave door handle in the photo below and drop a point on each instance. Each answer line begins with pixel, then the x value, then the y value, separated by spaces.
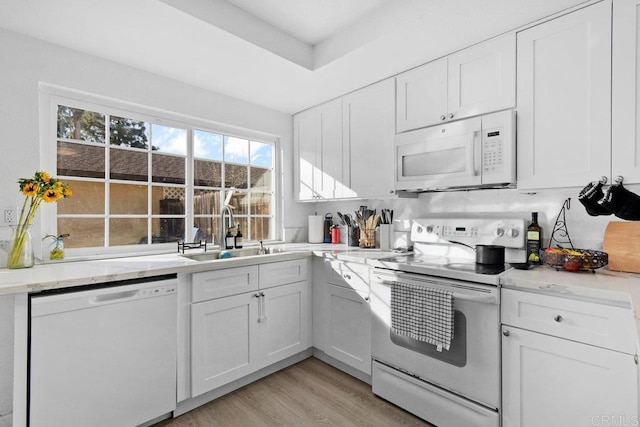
pixel 471 154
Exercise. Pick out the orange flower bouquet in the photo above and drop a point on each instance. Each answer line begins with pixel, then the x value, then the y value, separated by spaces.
pixel 41 187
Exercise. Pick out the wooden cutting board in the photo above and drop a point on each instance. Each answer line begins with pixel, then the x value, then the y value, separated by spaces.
pixel 622 243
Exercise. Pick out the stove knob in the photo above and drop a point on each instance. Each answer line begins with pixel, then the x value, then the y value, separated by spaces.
pixel 513 232
pixel 499 232
pixel 429 228
pixel 419 229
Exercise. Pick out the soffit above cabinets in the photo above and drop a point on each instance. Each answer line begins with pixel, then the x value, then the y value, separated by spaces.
pixel 287 55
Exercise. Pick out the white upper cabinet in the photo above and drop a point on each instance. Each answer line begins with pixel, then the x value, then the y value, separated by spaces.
pixel 564 100
pixel 482 79
pixel 306 128
pixel 369 128
pixel 318 145
pixel 344 148
pixel 421 96
pixel 477 80
pixel 626 91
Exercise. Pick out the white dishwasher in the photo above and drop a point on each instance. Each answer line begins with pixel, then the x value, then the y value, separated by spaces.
pixel 104 356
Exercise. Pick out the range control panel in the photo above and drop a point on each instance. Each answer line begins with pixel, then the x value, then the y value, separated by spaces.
pixel 509 232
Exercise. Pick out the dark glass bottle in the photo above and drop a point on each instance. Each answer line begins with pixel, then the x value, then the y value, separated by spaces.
pixel 534 240
pixel 238 239
pixel 228 240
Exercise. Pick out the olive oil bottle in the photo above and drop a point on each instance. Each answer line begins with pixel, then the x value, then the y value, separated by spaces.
pixel 534 240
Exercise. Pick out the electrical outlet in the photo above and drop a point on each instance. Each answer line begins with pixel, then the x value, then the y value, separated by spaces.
pixel 9 216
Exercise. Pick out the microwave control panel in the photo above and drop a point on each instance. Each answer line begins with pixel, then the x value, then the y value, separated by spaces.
pixel 498 148
pixel 492 152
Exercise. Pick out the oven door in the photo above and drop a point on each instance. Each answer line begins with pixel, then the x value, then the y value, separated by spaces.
pixel 439 157
pixel 471 367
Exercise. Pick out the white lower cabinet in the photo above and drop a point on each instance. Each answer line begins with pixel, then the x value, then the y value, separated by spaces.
pixel 236 335
pixel 549 381
pixel 285 323
pixel 553 374
pixel 342 312
pixel 224 341
pixel 348 327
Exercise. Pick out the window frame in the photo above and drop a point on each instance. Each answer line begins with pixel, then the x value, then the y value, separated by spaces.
pixel 51 96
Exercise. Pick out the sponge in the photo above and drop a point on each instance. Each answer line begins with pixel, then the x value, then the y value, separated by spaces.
pixel 225 254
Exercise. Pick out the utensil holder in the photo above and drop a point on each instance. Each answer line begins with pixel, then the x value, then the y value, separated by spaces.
pixel 353 236
pixel 368 238
pixel 385 234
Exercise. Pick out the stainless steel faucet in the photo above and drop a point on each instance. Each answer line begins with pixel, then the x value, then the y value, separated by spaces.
pixel 223 229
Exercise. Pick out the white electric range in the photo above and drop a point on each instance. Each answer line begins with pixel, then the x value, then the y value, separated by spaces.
pixel 461 385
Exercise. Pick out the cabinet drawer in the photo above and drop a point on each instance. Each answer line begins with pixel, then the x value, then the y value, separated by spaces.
pixel 591 323
pixel 281 273
pixel 221 283
pixel 350 275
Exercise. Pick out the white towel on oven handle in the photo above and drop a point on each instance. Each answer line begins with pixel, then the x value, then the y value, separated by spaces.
pixel 422 313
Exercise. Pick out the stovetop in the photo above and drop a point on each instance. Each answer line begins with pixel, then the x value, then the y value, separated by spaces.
pixel 451 268
pixel 444 248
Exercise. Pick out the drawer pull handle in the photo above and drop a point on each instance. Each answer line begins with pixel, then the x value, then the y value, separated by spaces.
pixel 558 318
pixel 506 333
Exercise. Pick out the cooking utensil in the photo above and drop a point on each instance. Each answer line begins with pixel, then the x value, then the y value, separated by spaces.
pixel 349 220
pixel 341 218
pixel 486 254
pixel 490 254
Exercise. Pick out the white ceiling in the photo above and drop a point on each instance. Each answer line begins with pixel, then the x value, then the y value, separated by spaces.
pixel 283 54
pixel 310 21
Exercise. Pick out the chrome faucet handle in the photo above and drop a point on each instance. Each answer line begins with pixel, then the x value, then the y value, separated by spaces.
pixel 261 251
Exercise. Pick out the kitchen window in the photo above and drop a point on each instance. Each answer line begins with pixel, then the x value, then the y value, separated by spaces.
pixel 140 181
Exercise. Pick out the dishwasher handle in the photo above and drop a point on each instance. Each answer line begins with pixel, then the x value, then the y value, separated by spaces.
pixel 113 297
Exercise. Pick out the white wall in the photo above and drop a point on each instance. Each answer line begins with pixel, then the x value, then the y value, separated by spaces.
pixel 27 61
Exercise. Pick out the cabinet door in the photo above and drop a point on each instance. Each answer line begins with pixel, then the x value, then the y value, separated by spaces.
pixel 318 151
pixel 551 381
pixel 284 322
pixel 348 327
pixel 306 134
pixel 331 179
pixel 626 91
pixel 368 125
pixel 421 96
pixel 482 78
pixel 224 341
pixel 564 98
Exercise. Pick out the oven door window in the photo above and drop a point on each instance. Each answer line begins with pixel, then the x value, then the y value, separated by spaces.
pixel 457 353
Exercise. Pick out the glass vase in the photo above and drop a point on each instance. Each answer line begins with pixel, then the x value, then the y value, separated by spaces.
pixel 21 252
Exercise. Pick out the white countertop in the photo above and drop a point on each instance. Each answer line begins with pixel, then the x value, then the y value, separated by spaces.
pixel 603 286
pixel 77 273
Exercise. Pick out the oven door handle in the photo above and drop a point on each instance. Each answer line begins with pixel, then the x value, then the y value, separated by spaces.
pixel 480 298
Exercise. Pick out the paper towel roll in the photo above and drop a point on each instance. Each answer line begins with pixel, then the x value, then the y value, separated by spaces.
pixel 316 228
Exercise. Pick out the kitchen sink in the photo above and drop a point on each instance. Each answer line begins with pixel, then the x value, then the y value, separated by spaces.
pixel 235 253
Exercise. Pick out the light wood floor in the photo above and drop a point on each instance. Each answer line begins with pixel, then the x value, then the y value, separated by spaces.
pixel 310 393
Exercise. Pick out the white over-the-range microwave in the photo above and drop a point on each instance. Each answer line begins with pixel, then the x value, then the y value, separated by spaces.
pixel 479 152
